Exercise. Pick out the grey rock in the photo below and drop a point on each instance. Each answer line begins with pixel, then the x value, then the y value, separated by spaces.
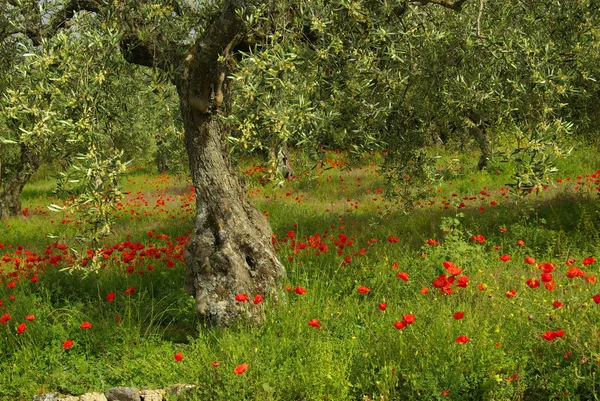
pixel 152 395
pixel 122 394
pixel 68 398
pixel 46 397
pixel 180 389
pixel 93 397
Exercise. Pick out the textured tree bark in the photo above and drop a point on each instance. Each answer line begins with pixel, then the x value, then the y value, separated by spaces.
pixel 477 130
pixel 230 251
pixel 280 157
pixel 483 140
pixel 10 194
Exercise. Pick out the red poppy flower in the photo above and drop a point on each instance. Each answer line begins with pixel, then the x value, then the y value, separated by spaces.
pixel 550 286
pixel 21 328
pixel 242 298
pixel 458 315
pixel 110 297
pixel 409 319
pixel 240 369
pixel 403 276
pixel 314 323
pixel 547 267
pixel 399 325
pixel 382 306
pixel 575 272
pixel 570 262
pixel 529 260
pixel 463 281
pixel 533 283
pixel 587 261
pixel 424 290
pixel 67 344
pixel 520 243
pixel 462 339
pixel 557 304
pixel 86 325
pixel 510 293
pixel 481 287
pixel 178 357
pixel 30 318
pixel 448 264
pixel 257 299
pixel 300 290
pixel 589 279
pixel 129 291
pixel 546 277
pixel 596 299
pixel 502 229
pixel 504 258
pixel 440 282
pixel 363 290
pixel 216 364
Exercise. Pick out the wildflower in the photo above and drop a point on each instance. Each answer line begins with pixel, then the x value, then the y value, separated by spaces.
pixel 21 328
pixel 314 323
pixel 462 339
pixel 463 281
pixel 216 364
pixel 529 260
pixel 67 344
pixel 86 325
pixel 363 290
pixel 575 272
pixel 510 293
pixel 557 304
pixel 424 290
pixel 403 276
pixel 596 299
pixel 382 306
pixel 110 297
pixel 240 369
pixel 409 319
pixel 502 229
pixel 533 283
pixel 257 299
pixel 440 282
pixel 458 315
pixel 520 243
pixel 178 356
pixel 550 286
pixel 129 291
pixel 30 318
pixel 587 261
pixel 546 277
pixel 504 258
pixel 242 298
pixel 300 290
pixel 399 325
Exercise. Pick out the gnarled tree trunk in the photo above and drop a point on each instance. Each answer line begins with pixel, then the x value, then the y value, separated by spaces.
pixel 10 191
pixel 477 129
pixel 230 251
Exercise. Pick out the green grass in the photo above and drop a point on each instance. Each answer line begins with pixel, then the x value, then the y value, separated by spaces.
pixel 358 354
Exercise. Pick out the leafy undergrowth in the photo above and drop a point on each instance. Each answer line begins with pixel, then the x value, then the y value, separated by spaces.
pixel 475 294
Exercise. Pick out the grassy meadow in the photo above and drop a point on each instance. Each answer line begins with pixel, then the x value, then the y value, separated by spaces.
pixel 475 294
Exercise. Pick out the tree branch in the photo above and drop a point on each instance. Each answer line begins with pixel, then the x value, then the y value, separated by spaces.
pixel 455 5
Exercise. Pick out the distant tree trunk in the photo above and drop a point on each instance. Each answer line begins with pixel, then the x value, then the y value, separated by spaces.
pixel 230 251
pixel 478 131
pixel 10 192
pixel 281 158
pixel 162 158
